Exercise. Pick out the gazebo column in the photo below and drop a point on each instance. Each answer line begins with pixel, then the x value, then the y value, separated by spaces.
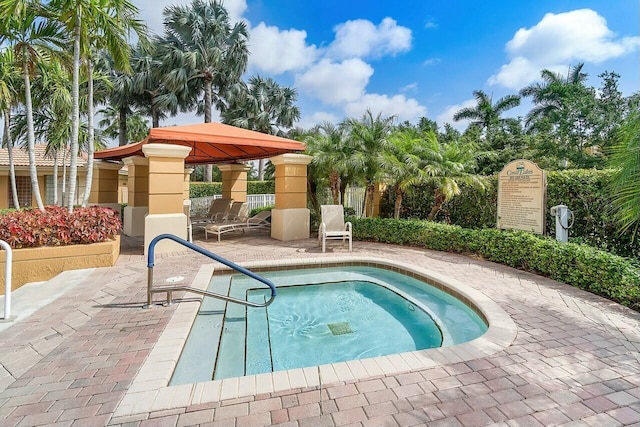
pixel 290 218
pixel 166 195
pixel 137 195
pixel 104 184
pixel 234 181
pixel 187 183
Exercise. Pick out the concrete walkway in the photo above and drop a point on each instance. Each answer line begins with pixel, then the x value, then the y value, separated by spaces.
pixel 575 360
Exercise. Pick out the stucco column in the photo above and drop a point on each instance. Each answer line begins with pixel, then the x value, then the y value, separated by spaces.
pixel 378 189
pixel 104 185
pixel 290 218
pixel 166 195
pixel 234 181
pixel 137 194
pixel 187 182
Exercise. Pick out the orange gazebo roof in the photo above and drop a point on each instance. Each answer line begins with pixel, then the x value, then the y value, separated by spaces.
pixel 210 143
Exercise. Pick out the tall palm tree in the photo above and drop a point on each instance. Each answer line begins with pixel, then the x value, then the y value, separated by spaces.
pixel 625 160
pixel 28 27
pixel 264 106
pixel 9 93
pixel 486 114
pixel 206 53
pixel 137 126
pixel 93 24
pixel 370 137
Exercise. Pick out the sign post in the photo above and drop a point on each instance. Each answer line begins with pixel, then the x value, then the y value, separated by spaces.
pixel 522 189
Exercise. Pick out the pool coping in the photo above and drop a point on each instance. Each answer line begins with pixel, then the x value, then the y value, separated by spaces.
pixel 150 392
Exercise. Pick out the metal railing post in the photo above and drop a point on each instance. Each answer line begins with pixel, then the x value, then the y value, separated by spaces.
pixel 7 279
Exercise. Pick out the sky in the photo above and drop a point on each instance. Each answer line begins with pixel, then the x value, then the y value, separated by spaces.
pixel 415 58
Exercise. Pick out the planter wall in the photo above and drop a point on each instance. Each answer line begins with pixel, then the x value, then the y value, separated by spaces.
pixel 44 263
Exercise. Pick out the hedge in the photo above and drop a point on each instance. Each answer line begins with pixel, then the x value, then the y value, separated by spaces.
pixel 583 191
pixel 579 265
pixel 204 189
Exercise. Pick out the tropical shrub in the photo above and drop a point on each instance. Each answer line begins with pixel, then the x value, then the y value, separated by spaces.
pixel 57 227
pixel 204 189
pixel 584 191
pixel 579 265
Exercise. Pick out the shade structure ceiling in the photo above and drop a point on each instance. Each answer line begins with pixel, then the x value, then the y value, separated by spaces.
pixel 210 143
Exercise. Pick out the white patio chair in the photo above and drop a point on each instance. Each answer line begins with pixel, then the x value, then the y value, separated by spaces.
pixel 333 226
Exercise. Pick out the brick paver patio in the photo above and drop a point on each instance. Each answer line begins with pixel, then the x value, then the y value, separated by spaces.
pixel 575 360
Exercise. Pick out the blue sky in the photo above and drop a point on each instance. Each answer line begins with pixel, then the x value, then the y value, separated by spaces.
pixel 413 58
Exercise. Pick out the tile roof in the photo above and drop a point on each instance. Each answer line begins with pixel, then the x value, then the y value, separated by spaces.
pixel 21 157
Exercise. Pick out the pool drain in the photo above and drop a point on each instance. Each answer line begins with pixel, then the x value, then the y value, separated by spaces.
pixel 340 328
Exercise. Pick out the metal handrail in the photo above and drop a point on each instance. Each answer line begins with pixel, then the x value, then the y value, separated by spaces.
pixel 170 289
pixel 7 279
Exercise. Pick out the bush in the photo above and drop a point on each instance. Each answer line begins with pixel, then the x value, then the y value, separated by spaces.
pixel 57 227
pixel 204 189
pixel 256 211
pixel 579 265
pixel 583 191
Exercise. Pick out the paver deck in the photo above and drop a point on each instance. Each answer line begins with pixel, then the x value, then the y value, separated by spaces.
pixel 575 360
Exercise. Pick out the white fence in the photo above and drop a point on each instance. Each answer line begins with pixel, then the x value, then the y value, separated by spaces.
pixel 353 199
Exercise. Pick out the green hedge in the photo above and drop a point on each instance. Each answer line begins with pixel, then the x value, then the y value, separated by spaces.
pixel 583 191
pixel 579 265
pixel 204 189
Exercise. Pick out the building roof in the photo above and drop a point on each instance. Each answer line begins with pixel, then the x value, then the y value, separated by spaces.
pixel 21 157
pixel 210 143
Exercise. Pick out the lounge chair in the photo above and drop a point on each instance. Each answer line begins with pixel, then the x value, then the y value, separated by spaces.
pixel 218 209
pixel 259 221
pixel 333 226
pixel 238 212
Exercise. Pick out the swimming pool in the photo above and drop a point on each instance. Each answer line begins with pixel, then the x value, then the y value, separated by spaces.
pixel 321 316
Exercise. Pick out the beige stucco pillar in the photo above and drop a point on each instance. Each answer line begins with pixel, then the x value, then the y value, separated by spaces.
pixel 166 195
pixel 234 181
pixel 137 194
pixel 187 182
pixel 378 189
pixel 104 184
pixel 290 218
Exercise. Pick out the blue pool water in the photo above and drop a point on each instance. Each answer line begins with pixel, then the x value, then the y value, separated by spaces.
pixel 320 316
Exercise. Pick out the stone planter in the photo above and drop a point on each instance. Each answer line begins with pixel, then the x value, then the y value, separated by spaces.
pixel 44 263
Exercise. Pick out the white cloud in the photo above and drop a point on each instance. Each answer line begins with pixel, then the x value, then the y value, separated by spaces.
pixel 557 41
pixel 411 87
pixel 307 122
pixel 397 105
pixel 430 23
pixel 335 82
pixel 447 115
pixel 431 61
pixel 361 38
pixel 236 8
pixel 276 51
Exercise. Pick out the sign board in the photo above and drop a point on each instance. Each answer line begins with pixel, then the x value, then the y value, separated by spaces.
pixel 522 188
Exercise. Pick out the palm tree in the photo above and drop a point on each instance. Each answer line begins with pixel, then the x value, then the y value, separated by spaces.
pixel 327 144
pixel 625 160
pixel 34 35
pixel 9 93
pixel 370 137
pixel 486 114
pixel 206 53
pixel 137 126
pixel 264 106
pixel 93 24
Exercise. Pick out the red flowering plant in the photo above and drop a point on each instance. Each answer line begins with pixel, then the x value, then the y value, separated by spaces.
pixel 57 227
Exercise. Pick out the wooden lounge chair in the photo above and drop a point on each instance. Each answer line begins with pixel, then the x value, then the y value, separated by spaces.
pixel 259 221
pixel 333 226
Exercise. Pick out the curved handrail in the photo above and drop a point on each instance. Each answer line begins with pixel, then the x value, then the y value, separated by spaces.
pixel 7 279
pixel 232 265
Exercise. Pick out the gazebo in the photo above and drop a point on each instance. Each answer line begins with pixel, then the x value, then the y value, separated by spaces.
pixel 159 177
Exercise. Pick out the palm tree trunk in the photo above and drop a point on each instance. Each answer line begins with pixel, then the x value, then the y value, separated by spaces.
pixel 261 170
pixel 122 124
pixel 90 143
pixel 438 201
pixel 312 190
pixel 398 203
pixel 64 176
pixel 33 171
pixel 75 117
pixel 12 169
pixel 343 190
pixel 55 179
pixel 208 170
pixel 334 184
